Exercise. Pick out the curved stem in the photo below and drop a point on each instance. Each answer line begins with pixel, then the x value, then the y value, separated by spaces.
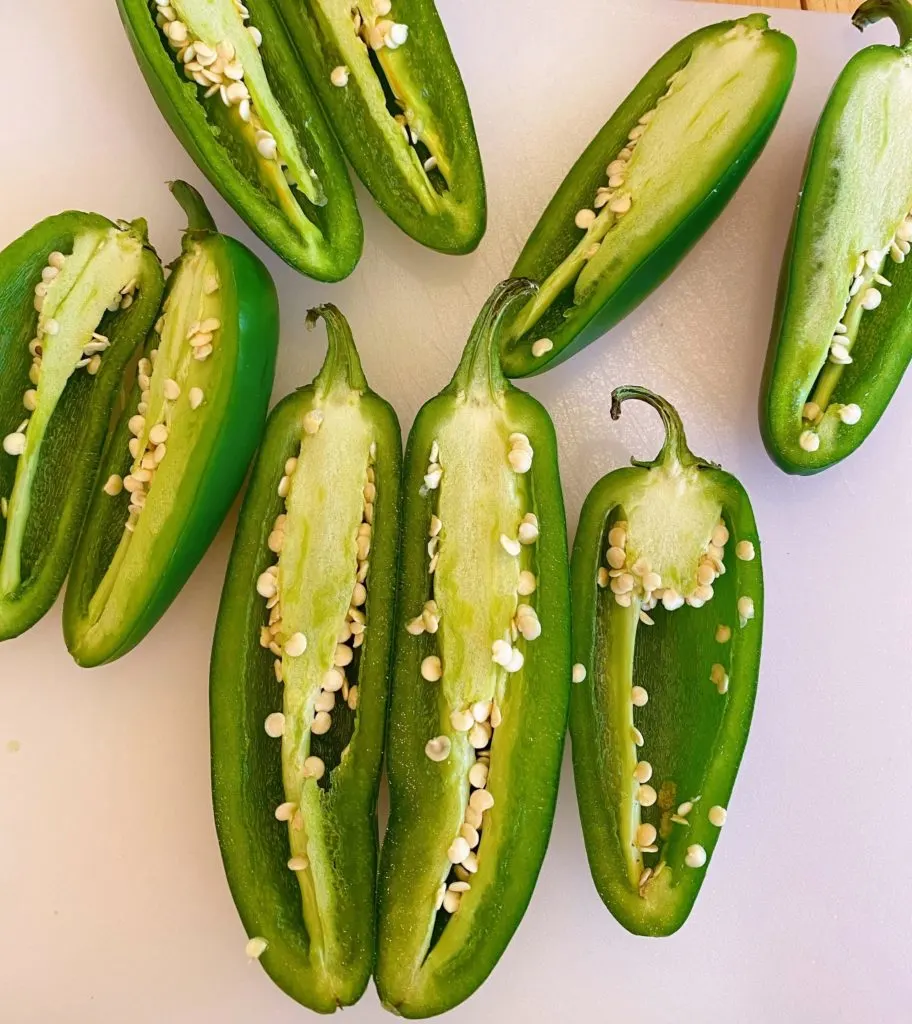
pixel 898 11
pixel 198 216
pixel 674 448
pixel 342 365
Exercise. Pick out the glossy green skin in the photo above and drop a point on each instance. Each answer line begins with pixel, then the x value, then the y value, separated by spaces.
pixel 526 752
pixel 694 735
pixel 328 259
pixel 883 346
pixel 556 234
pixel 426 63
pixel 246 763
pixel 227 429
pixel 73 445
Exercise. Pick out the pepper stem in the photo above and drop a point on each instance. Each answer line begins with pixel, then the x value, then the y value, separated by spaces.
pixel 480 367
pixel 198 216
pixel 674 448
pixel 898 11
pixel 342 364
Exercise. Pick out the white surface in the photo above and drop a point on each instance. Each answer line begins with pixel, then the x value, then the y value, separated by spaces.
pixel 113 905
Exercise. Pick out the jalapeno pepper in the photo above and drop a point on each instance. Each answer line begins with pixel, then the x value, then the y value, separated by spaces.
pixel 648 186
pixel 227 80
pixel 481 681
pixel 842 339
pixel 668 606
pixel 77 296
pixel 386 75
pixel 182 445
pixel 299 680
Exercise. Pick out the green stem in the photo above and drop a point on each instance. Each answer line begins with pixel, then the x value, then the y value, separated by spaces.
pixel 898 11
pixel 342 365
pixel 198 216
pixel 674 448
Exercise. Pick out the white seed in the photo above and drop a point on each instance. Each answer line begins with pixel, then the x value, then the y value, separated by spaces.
pixel 850 414
pixel 438 749
pixel 511 546
pixel 643 772
pixel 745 550
pixel 646 835
pixel 520 459
pixel 622 584
pixel 528 529
pixel 871 299
pixel 321 724
pixel 717 816
pixel 811 412
pixel 298 864
pixel 478 775
pixel 480 735
pixel 541 347
pixel 275 724
pixel 266 585
pixel 685 808
pixel 646 796
pixel 314 768
pixel 285 811
pixel 638 697
pixel 114 485
pixel 723 634
pixel 56 260
pixel 584 218
pixel 256 947
pixel 461 721
pixel 516 661
pixel 343 656
pixel 431 668
pixel 333 680
pixel 312 421
pixel 451 901
pixel 616 557
pixel 14 443
pixel 695 856
pixel 296 645
pixel 481 800
pixel 481 710
pixel 354 696
pixel 339 76
pixel 325 701
pixel 398 34
pixel 620 204
pixel 172 390
pixel 579 673
pixel 158 434
pixel 745 609
pixel 459 849
pixel 809 441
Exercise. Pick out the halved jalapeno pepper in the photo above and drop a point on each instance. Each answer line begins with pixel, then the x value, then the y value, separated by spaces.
pixel 667 613
pixel 181 448
pixel 78 294
pixel 227 80
pixel 299 677
pixel 649 185
pixel 481 683
pixel 842 336
pixel 386 75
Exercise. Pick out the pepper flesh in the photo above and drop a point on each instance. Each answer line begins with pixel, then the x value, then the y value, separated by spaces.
pixel 698 120
pixel 402 114
pixel 62 359
pixel 837 352
pixel 307 887
pixel 235 96
pixel 660 720
pixel 463 596
pixel 209 402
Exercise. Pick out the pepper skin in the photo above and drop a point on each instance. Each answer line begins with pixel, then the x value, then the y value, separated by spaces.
pixel 318 540
pixel 400 111
pixel 668 611
pixel 261 137
pixel 481 681
pixel 842 337
pixel 158 504
pixel 676 151
pixel 78 294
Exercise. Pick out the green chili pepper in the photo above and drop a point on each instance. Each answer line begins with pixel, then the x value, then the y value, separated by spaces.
pixel 673 153
pixel 77 296
pixel 481 683
pixel 181 448
pixel 234 94
pixel 308 602
pixel 842 337
pixel 387 77
pixel 668 608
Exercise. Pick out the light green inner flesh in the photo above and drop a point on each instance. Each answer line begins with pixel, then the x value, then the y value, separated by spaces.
pixel 317 572
pixel 101 264
pixel 696 132
pixel 336 16
pixel 120 595
pixel 215 21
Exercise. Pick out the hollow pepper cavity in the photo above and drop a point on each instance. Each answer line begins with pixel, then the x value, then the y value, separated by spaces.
pixel 78 295
pixel 299 680
pixel 842 336
pixel 387 77
pixel 183 443
pixel 481 680
pixel 668 608
pixel 227 80
pixel 648 186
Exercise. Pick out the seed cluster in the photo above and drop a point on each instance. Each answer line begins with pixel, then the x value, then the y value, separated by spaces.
pixel 275 637
pixel 376 30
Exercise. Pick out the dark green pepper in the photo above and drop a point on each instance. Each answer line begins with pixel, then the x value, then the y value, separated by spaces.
pixel 842 336
pixel 309 603
pixel 387 77
pixel 668 609
pixel 236 97
pixel 78 294
pixel 676 151
pixel 481 681
pixel 181 448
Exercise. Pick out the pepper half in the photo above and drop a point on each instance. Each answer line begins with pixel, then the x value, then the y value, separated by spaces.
pixel 235 95
pixel 386 74
pixel 183 443
pixel 78 295
pixel 842 337
pixel 309 603
pixel 667 629
pixel 676 151
pixel 481 683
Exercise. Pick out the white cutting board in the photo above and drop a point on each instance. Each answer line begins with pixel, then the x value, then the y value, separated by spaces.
pixel 113 906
